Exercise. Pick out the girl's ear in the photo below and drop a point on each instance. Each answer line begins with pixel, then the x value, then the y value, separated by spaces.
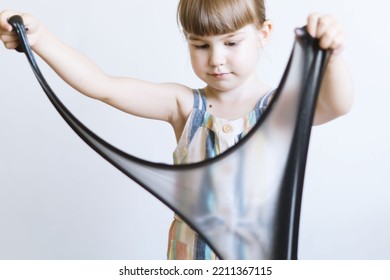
pixel 264 33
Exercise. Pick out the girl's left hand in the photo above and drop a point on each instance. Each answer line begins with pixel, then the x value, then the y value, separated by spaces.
pixel 327 29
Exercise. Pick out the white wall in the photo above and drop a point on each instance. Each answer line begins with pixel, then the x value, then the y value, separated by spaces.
pixel 60 200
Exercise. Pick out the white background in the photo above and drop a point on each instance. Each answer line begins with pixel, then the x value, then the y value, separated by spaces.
pixel 60 200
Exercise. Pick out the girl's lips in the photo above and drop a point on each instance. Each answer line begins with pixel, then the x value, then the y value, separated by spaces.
pixel 219 75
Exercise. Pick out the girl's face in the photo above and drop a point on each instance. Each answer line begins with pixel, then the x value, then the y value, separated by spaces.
pixel 225 62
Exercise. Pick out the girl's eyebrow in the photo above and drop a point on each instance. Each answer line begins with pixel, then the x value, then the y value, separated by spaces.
pixel 194 38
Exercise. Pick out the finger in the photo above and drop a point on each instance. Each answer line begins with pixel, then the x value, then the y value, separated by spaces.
pixel 325 23
pixel 327 37
pixel 11 45
pixel 312 22
pixel 338 43
pixel 4 17
pixel 6 33
pixel 10 37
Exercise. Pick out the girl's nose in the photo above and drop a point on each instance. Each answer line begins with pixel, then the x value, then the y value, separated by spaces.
pixel 216 57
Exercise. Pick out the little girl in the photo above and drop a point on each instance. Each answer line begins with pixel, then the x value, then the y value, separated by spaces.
pixel 224 38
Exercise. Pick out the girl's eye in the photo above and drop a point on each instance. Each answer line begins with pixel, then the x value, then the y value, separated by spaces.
pixel 205 46
pixel 232 44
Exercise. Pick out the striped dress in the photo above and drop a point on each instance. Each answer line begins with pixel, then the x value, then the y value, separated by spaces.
pixel 205 136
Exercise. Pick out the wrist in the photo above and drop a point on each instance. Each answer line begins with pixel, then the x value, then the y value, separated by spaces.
pixel 335 58
pixel 39 40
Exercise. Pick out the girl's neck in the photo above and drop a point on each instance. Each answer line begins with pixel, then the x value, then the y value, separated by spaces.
pixel 235 103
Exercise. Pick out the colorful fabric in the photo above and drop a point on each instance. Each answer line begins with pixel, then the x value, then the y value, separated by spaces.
pixel 205 136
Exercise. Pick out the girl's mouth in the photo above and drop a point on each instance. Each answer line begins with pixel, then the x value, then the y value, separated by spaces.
pixel 219 75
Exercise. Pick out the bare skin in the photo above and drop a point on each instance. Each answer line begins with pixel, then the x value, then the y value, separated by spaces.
pixel 221 61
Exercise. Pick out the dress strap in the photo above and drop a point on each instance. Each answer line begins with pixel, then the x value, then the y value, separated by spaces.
pixel 199 99
pixel 265 99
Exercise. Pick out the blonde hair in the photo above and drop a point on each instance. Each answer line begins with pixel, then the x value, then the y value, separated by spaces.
pixel 217 17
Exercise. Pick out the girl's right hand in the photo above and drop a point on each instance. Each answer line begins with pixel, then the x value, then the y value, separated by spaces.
pixel 8 36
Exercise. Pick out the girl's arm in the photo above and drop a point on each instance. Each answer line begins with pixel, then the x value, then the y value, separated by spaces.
pixel 140 98
pixel 336 92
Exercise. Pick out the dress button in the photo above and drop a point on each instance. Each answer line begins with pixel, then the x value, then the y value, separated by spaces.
pixel 227 128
